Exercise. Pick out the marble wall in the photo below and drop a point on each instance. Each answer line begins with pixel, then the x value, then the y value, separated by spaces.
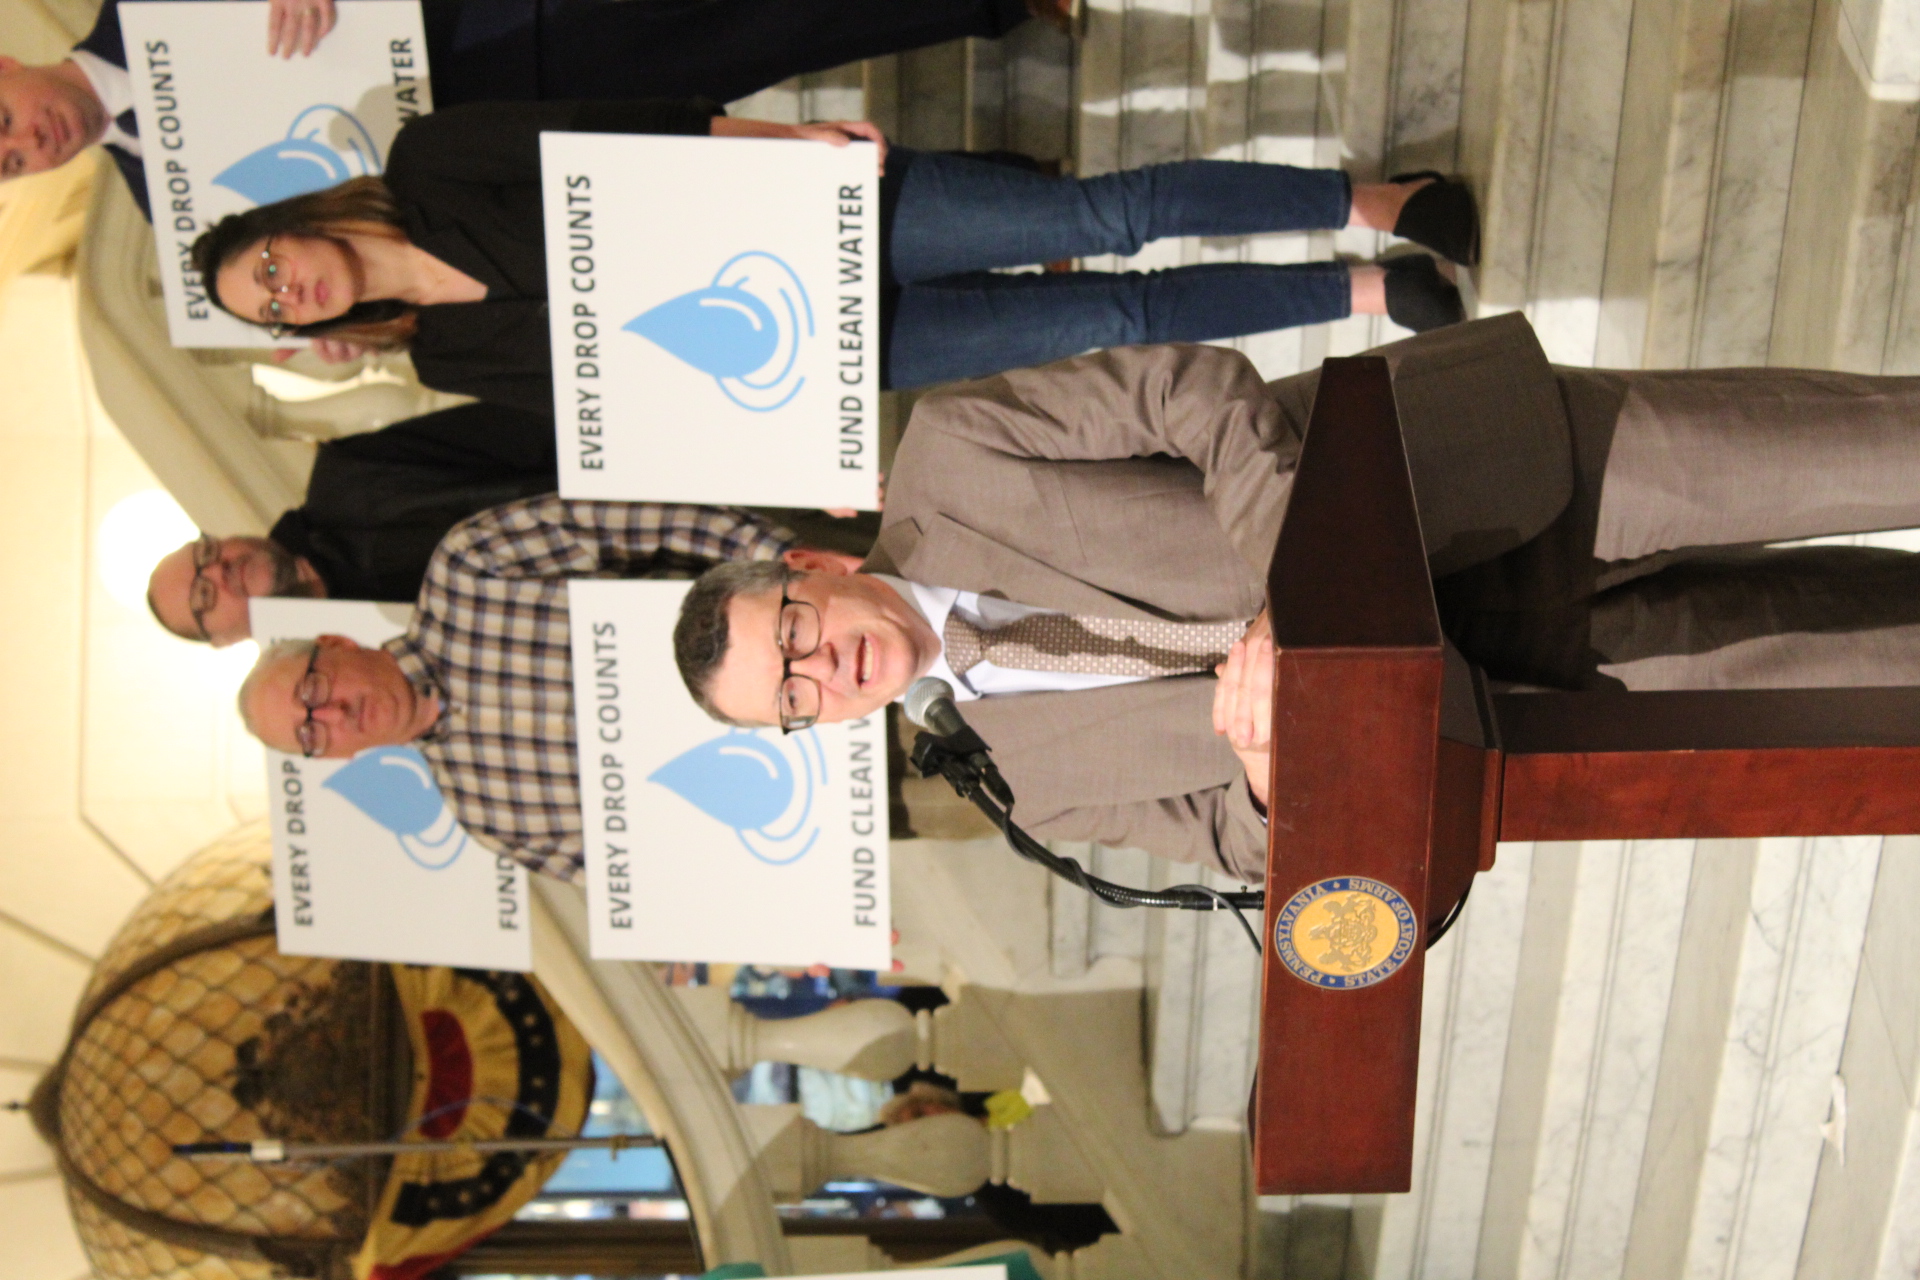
pixel 1667 1058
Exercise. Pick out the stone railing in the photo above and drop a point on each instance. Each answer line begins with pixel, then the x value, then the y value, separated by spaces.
pixel 1072 1047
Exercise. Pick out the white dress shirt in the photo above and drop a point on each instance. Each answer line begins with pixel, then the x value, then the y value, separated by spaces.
pixel 984 679
pixel 114 87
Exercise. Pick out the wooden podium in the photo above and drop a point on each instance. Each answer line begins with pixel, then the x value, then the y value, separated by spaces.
pixel 1395 772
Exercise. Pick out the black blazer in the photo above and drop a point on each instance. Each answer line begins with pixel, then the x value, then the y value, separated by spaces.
pixel 378 504
pixel 478 51
pixel 467 181
pixel 570 50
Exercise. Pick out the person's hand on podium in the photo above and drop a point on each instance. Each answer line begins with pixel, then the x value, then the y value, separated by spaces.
pixel 1243 702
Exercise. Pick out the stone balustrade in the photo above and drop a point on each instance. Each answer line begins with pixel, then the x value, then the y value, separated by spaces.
pixel 943 1155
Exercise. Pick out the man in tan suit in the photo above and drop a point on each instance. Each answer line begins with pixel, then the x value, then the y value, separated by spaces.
pixel 1147 484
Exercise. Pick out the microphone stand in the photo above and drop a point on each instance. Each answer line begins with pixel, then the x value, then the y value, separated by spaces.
pixel 962 759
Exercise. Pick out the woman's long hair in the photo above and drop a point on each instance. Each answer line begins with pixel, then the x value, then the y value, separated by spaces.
pixel 358 206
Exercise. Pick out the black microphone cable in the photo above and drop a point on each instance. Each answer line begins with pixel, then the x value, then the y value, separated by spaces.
pixel 961 757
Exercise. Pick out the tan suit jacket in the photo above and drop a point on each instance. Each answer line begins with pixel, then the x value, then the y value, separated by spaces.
pixel 1151 481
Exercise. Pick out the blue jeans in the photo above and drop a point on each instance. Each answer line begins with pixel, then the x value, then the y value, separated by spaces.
pixel 956 217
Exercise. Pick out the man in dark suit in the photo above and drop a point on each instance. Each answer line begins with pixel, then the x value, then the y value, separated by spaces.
pixel 1057 539
pixel 515 51
pixel 377 505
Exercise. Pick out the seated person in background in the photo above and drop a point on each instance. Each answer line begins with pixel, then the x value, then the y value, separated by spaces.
pixel 513 51
pixel 377 505
pixel 444 254
pixel 1585 528
pixel 481 683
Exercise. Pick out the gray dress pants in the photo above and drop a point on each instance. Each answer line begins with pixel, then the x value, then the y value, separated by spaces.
pixel 1659 575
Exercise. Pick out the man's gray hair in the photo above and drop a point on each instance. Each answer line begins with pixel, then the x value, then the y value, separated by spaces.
pixel 700 637
pixel 269 654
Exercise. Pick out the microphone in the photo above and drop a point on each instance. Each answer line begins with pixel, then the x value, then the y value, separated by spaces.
pixel 929 704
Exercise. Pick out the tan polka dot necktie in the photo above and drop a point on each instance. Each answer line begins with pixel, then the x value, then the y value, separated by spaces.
pixel 1091 646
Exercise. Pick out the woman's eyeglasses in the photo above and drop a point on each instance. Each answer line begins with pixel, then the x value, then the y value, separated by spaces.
pixel 271 275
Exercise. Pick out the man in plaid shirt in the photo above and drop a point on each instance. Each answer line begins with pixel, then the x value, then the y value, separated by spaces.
pixel 481 684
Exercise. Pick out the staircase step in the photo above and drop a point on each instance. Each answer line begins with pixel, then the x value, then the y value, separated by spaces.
pixel 1847 241
pixel 1020 93
pixel 1203 990
pixel 1865 1214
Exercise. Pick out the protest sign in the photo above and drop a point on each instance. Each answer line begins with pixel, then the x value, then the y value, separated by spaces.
pixel 705 842
pixel 368 861
pixel 715 318
pixel 225 125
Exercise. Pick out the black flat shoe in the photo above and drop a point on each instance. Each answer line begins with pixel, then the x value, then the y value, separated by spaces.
pixel 1061 15
pixel 1418 296
pixel 1441 216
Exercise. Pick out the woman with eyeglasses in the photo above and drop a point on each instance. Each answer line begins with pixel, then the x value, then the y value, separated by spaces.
pixel 443 255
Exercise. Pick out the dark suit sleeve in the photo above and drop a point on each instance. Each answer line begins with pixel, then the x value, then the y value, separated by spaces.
pixel 105 41
pixel 497 143
pixel 135 173
pixel 471 439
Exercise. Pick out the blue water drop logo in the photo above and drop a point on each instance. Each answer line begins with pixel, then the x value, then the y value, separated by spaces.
pixel 745 330
pixel 720 330
pixel 760 787
pixel 394 787
pixel 324 146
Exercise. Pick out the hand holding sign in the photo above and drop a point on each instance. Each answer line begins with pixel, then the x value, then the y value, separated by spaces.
pixel 329 350
pixel 296 26
pixel 308 122
pixel 721 346
pixel 836 133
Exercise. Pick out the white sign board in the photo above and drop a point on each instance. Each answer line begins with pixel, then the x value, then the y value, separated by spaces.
pixel 368 862
pixel 225 125
pixel 705 842
pixel 715 318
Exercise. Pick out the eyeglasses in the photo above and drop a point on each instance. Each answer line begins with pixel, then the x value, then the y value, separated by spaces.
pixel 203 592
pixel 798 637
pixel 313 692
pixel 271 276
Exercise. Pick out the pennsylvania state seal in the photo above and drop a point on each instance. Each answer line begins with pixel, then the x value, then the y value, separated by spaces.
pixel 1345 932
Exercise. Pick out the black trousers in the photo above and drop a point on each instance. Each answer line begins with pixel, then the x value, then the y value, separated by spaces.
pixel 529 50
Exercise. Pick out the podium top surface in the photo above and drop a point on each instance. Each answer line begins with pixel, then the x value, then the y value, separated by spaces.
pixel 1350 569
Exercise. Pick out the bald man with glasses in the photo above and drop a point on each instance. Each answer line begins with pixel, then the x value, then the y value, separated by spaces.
pixel 200 592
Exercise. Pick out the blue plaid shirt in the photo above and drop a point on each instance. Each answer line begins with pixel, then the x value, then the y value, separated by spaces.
pixel 489 638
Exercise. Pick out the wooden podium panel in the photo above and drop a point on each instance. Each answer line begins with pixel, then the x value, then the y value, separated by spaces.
pixel 1395 771
pixel 1357 704
pixel 1708 763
